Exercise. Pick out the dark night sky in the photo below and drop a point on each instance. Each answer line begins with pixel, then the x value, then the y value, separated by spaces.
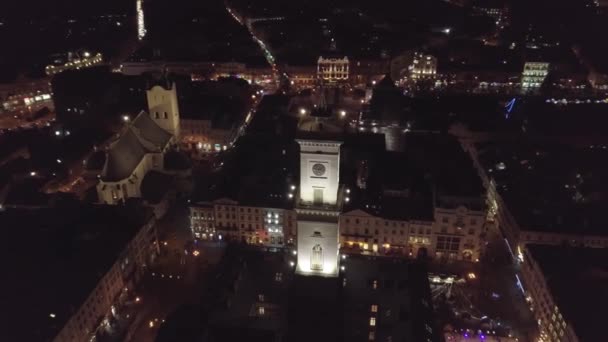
pixel 37 8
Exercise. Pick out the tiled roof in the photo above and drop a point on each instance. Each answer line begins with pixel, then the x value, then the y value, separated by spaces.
pixel 148 130
pixel 123 157
pixel 142 137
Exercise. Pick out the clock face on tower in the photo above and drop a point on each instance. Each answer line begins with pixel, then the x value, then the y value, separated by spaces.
pixel 318 169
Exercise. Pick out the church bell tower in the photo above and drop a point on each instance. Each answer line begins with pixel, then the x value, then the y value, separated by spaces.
pixel 163 108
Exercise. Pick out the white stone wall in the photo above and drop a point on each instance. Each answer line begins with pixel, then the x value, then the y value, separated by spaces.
pixel 319 169
pixel 324 235
pixel 112 192
pixel 462 225
pixel 163 108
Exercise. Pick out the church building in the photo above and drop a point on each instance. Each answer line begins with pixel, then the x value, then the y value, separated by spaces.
pixel 140 148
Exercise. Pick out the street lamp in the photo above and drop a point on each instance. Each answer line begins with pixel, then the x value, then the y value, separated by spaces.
pixel 302 111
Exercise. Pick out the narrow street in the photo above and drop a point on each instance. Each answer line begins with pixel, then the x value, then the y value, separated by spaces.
pixel 175 279
pixel 265 49
pixel 490 298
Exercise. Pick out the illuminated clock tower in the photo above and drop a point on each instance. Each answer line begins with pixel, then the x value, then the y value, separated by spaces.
pixel 318 207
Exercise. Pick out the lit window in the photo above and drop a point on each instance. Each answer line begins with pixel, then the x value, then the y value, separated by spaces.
pixel 372 321
pixel 372 336
pixel 374 308
pixel 261 310
pixel 375 284
pixel 261 297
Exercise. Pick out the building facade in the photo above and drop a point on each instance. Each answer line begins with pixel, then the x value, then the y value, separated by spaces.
pixel 201 136
pixel 454 234
pixel 265 226
pixel 423 66
pixel 459 232
pixel 318 207
pixel 534 74
pixel 103 303
pixel 552 325
pixel 361 232
pixel 332 70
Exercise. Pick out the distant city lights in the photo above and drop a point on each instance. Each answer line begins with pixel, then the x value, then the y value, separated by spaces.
pixel 141 25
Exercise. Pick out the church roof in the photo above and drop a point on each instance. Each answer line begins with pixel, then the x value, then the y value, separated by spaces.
pixel 141 137
pixel 123 157
pixel 150 131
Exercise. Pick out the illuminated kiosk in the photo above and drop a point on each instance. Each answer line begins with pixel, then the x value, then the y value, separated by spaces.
pixel 318 207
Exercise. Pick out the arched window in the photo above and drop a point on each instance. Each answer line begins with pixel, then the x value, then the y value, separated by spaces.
pixel 156 115
pixel 166 116
pixel 316 258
